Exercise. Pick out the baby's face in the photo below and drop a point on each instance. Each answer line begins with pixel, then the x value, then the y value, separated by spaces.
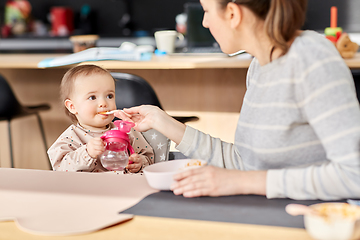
pixel 92 94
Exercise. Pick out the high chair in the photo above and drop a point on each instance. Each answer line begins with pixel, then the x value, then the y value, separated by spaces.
pixel 10 108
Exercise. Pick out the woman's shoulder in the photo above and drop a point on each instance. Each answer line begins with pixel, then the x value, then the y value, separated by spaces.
pixel 310 38
pixel 313 44
pixel 311 48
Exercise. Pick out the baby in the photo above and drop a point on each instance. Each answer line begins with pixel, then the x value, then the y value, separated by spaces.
pixel 87 90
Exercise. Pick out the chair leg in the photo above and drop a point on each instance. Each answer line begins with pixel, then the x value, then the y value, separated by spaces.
pixel 10 144
pixel 43 136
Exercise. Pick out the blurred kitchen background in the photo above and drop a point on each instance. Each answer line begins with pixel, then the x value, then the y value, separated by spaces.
pixel 108 18
pixel 130 19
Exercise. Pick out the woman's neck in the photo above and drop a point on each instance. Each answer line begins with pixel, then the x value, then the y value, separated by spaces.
pixel 264 50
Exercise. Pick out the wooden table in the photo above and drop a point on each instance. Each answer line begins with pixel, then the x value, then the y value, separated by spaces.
pixel 30 61
pixel 141 227
pixel 47 197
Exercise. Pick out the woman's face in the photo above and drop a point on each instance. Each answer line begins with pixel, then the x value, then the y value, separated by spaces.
pixel 215 20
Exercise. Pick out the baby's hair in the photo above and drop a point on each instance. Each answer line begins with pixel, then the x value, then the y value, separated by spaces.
pixel 68 80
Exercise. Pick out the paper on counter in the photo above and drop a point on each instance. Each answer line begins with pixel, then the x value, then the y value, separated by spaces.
pixel 65 203
pixel 98 54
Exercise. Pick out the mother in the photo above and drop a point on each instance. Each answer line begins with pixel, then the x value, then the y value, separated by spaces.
pixel 298 134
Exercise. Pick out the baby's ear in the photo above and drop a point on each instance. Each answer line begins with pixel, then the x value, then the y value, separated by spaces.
pixel 70 106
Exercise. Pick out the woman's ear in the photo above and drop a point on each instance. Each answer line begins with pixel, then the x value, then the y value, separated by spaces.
pixel 70 106
pixel 234 14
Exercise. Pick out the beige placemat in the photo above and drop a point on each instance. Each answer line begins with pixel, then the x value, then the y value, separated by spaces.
pixel 65 203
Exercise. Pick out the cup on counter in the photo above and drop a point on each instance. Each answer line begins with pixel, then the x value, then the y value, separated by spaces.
pixel 82 42
pixel 62 21
pixel 165 40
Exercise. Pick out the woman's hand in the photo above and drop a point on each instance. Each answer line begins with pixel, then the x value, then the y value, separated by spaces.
pixel 214 181
pixel 95 147
pixel 203 181
pixel 148 117
pixel 143 116
pixel 137 162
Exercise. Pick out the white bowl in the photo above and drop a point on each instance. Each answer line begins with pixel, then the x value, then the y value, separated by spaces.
pixel 160 175
pixel 341 222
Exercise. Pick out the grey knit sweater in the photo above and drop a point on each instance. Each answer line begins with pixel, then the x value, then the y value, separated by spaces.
pixel 300 120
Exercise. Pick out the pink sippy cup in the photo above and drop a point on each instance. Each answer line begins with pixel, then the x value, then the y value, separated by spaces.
pixel 118 147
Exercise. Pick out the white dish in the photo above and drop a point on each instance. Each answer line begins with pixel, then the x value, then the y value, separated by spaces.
pixel 341 222
pixel 160 175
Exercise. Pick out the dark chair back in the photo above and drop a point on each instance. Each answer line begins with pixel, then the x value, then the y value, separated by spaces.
pixel 11 108
pixel 132 90
pixel 9 105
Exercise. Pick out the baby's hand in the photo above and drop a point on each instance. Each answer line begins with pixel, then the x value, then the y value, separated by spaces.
pixel 95 147
pixel 137 162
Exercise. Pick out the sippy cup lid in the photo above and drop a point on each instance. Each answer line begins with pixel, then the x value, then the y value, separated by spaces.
pixel 124 126
pixel 115 135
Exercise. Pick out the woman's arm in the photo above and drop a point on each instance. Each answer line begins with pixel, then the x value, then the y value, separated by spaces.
pixel 213 181
pixel 191 142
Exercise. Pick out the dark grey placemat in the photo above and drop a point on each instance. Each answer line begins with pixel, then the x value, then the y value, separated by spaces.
pixel 236 209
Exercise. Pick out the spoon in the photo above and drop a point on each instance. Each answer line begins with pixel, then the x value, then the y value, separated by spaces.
pixel 109 112
pixel 114 111
pixel 298 209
